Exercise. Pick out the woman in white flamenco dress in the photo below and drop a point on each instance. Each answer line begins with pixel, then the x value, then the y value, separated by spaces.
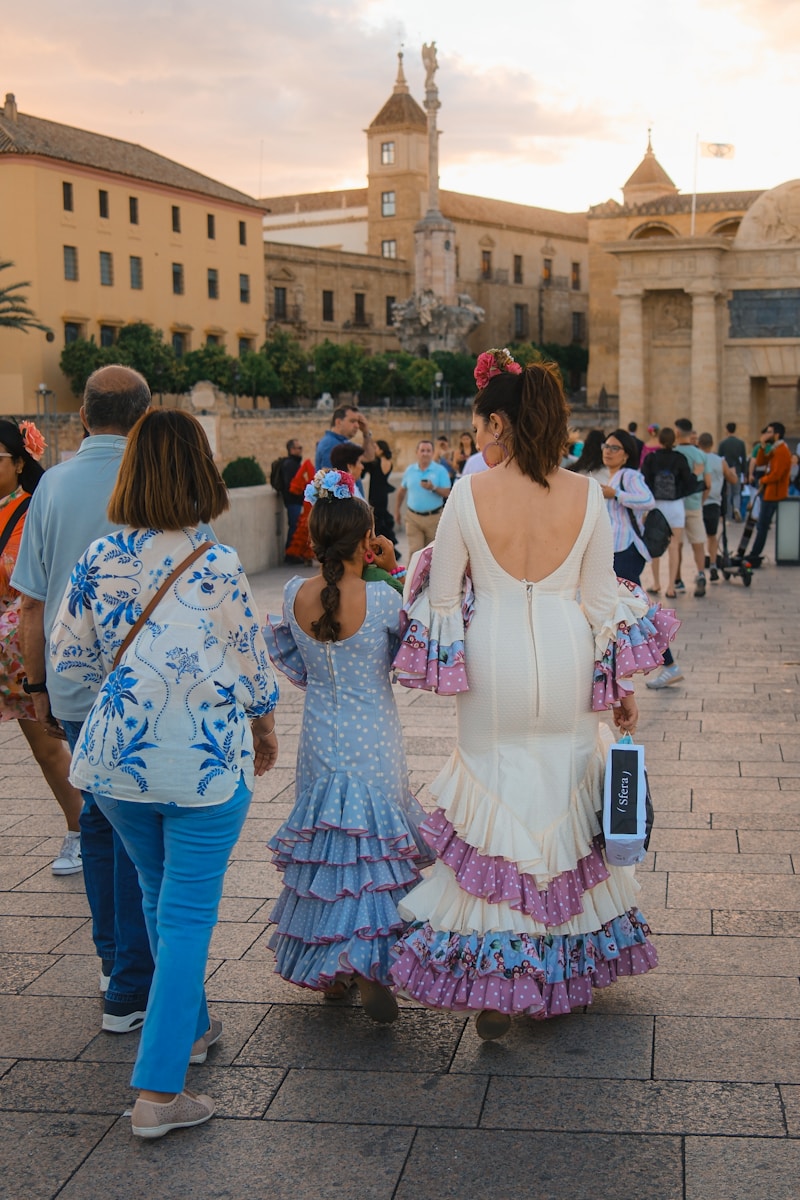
pixel 521 913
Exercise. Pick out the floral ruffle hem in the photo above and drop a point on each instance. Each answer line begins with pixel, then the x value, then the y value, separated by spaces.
pixel 541 977
pixel 633 642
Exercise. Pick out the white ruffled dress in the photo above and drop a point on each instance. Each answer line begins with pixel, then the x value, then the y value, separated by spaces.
pixel 521 912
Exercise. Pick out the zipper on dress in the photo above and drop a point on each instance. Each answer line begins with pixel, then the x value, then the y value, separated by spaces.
pixel 529 593
pixel 331 672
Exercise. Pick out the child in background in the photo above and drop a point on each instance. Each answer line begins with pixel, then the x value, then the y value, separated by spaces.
pixel 350 849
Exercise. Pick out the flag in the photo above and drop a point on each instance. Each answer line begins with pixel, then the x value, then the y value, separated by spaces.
pixel 716 150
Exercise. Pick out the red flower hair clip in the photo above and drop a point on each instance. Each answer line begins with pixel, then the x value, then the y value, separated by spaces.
pixel 495 362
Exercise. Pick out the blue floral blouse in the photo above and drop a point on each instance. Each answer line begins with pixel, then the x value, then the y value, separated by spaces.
pixel 171 722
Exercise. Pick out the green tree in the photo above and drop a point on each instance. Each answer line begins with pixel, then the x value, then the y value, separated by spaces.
pixel 211 363
pixel 421 376
pixel 257 376
pixel 143 348
pixel 457 370
pixel 290 363
pixel 15 312
pixel 77 362
pixel 338 368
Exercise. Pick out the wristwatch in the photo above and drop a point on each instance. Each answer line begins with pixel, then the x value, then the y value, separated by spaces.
pixel 30 688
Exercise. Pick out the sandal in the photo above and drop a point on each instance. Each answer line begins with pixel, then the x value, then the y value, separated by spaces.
pixel 654 591
pixel 339 990
pixel 490 1024
pixel 670 595
pixel 377 1001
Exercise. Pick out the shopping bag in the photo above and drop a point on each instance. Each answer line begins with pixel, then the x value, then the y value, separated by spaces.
pixel 625 804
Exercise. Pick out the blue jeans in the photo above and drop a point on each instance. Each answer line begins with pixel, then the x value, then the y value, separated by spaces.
pixel 766 513
pixel 115 900
pixel 181 853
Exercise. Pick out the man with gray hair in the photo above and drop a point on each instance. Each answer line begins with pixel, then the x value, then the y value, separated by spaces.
pixel 67 512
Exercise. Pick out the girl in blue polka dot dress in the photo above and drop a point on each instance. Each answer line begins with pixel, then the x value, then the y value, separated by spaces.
pixel 350 850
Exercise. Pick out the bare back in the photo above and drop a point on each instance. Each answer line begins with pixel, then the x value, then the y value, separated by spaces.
pixel 352 604
pixel 529 529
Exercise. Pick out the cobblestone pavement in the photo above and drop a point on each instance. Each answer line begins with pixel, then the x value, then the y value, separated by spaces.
pixel 683 1084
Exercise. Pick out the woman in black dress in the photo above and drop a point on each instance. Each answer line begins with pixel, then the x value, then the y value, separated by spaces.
pixel 379 471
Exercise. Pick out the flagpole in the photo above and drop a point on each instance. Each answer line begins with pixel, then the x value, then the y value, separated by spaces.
pixel 694 188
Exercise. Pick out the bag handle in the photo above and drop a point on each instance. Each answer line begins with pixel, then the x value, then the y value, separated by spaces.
pixel 13 521
pixel 143 616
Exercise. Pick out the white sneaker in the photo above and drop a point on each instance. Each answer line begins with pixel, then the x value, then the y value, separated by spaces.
pixel 665 677
pixel 69 861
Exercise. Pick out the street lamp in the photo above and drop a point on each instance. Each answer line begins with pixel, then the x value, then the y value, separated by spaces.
pixel 436 394
pixel 311 368
pixel 44 419
pixel 391 367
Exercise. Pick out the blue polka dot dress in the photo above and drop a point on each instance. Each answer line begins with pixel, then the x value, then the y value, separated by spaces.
pixel 350 850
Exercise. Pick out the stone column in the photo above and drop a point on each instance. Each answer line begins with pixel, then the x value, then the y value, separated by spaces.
pixel 705 407
pixel 631 358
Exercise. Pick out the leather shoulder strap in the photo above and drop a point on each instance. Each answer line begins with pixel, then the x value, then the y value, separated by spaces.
pixel 154 599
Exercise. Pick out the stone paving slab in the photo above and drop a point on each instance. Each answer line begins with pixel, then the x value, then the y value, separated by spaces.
pixel 359 1098
pixel 638 1106
pixel 449 1169
pixel 740 1049
pixel 718 1169
pixel 40 1153
pixel 282 1160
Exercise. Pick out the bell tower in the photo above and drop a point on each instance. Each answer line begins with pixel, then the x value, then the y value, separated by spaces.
pixel 397 172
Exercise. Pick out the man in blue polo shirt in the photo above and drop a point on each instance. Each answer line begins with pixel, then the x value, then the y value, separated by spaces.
pixel 345 424
pixel 67 512
pixel 427 485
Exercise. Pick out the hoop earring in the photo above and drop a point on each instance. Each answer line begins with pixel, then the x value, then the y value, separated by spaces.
pixel 494 453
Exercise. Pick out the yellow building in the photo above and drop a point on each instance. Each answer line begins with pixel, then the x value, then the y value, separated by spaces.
pixel 108 232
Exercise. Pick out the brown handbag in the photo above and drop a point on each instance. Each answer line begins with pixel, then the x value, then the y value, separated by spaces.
pixel 144 615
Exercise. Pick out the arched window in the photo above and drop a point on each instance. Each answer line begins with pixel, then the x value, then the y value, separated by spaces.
pixel 652 229
pixel 727 228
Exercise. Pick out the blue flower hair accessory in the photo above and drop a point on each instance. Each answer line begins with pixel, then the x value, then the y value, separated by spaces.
pixel 328 484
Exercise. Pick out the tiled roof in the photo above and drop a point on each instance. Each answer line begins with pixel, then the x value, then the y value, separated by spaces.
pixel 675 203
pixel 33 135
pixel 460 207
pixel 305 202
pixel 399 110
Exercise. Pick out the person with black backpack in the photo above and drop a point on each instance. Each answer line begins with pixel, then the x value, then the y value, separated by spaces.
pixel 669 477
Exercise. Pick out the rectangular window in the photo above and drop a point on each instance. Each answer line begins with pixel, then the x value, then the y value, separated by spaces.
pixel 106 269
pixel 360 311
pixel 547 271
pixel 108 335
pixel 212 339
pixel 578 327
pixel 576 277
pixel 518 268
pixel 133 209
pixel 387 153
pixel 213 283
pixel 279 297
pixel 72 331
pixel 390 303
pixel 389 248
pixel 520 320
pixel 388 204
pixel 71 262
pixel 137 280
pixel 176 219
pixel 177 279
pixel 179 344
pixel 242 233
pixel 67 197
pixel 244 289
pixel 102 197
pixel 327 306
pixel 211 226
pixel 486 264
pixel 245 344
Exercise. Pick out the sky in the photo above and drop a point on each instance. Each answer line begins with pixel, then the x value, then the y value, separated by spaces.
pixel 542 103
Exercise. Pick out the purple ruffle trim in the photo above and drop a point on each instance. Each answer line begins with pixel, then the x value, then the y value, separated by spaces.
pixel 425 664
pixel 438 989
pixel 497 880
pixel 637 648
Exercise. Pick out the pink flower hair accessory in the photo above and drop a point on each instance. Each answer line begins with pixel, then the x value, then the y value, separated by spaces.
pixel 32 439
pixel 495 362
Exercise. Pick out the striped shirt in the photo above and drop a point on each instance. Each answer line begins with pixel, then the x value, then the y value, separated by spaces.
pixel 632 494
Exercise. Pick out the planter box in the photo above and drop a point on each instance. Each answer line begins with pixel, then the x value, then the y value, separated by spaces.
pixel 255 525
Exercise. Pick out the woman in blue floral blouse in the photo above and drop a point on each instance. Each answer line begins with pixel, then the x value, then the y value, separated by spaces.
pixel 180 726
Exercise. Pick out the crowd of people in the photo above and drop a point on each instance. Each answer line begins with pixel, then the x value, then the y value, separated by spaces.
pixel 130 637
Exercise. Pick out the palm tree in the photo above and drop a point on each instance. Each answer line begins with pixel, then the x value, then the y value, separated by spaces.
pixel 14 310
